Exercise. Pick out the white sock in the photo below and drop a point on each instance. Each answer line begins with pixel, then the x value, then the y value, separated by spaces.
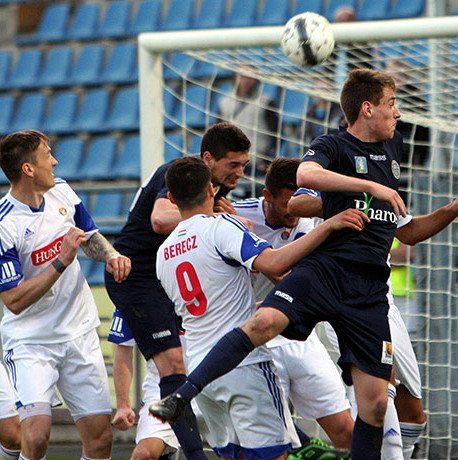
pixel 8 454
pixel 89 458
pixel 410 432
pixel 21 457
pixel 392 441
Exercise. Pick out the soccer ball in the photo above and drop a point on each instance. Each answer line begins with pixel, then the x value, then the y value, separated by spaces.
pixel 307 39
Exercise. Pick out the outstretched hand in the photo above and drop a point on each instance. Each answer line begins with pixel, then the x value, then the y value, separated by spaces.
pixel 119 266
pixel 350 218
pixel 390 196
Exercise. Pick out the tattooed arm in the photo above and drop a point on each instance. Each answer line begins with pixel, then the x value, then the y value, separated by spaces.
pixel 99 248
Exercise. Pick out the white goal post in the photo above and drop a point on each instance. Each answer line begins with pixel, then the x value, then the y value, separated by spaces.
pixel 184 75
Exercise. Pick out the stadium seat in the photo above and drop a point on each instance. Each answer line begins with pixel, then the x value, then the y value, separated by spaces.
pixel 3 178
pixel 173 146
pixel 69 153
pixel 315 6
pixel 26 69
pixel 5 67
pixel 178 64
pixel 61 113
pixel 127 165
pixel 93 111
pixel 410 9
pixel 210 15
pixel 194 145
pixel 124 114
pixel 197 104
pixel 85 22
pixel 53 25
pixel 147 17
pixel 242 13
pixel 7 105
pixel 121 64
pixel 170 110
pixel 84 197
pixel 57 66
pixel 97 274
pixel 88 66
pixel 334 5
pixel 372 11
pixel 273 13
pixel 115 21
pixel 178 16
pixel 29 112
pixel 294 107
pixel 107 211
pixel 99 160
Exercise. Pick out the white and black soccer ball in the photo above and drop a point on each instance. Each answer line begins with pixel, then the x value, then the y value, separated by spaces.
pixel 307 39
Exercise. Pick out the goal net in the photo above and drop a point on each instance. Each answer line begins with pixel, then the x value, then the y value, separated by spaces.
pixel 189 80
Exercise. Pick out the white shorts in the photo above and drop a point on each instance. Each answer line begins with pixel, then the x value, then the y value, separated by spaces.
pixel 151 427
pixel 7 406
pixel 404 359
pixel 247 414
pixel 75 367
pixel 309 378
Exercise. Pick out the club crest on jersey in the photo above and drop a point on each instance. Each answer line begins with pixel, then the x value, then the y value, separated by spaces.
pixel 361 165
pixel 62 211
pixel 387 353
pixel 395 169
pixel 285 234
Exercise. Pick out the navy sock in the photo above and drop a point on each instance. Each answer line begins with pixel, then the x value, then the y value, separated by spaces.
pixel 366 442
pixel 185 428
pixel 225 355
pixel 303 438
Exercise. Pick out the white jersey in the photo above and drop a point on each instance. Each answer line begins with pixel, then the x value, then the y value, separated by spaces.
pixel 204 267
pixel 278 236
pixel 30 240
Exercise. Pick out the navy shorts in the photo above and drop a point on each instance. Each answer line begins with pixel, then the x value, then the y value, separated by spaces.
pixel 323 289
pixel 149 313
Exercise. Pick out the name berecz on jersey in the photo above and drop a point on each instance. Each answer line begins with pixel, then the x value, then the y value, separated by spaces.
pixel 177 249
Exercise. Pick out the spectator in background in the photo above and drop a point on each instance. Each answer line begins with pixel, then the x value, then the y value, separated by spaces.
pixel 255 112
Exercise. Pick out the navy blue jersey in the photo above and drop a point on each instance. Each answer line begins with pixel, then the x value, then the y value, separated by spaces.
pixel 137 239
pixel 375 161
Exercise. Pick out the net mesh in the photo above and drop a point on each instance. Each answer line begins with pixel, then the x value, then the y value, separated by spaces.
pixel 289 106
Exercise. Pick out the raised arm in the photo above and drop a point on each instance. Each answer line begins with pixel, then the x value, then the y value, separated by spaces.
pixel 100 249
pixel 305 206
pixel 165 216
pixel 275 262
pixel 313 175
pixel 27 292
pixel 421 228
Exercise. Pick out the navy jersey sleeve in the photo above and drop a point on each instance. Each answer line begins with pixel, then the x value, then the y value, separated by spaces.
pixel 322 151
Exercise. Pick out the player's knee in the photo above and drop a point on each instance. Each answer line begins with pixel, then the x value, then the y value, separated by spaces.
pixel 262 327
pixel 170 362
pixel 142 452
pixel 378 408
pixel 342 438
pixel 37 441
pixel 10 434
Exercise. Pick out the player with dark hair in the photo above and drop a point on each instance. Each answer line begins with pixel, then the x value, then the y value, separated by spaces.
pixel 141 299
pixel 203 266
pixel 50 318
pixel 344 280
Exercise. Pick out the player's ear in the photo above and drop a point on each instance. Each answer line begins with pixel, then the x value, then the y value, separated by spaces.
pixel 207 157
pixel 27 169
pixel 211 190
pixel 267 195
pixel 366 109
pixel 170 197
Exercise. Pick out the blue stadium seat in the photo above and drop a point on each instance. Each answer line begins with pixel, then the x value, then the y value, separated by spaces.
pixel 179 15
pixel 170 110
pixel 84 197
pixel 124 114
pixel 97 274
pixel 410 9
pixel 93 111
pixel 115 21
pixel 315 6
pixel 3 178
pixel 173 146
pixel 5 67
pixel 294 107
pixel 88 66
pixel 334 5
pixel 52 26
pixel 210 15
pixel 7 105
pixel 147 17
pixel 107 211
pixel 61 113
pixel 179 64
pixel 87 266
pixel 194 145
pixel 29 113
pixel 26 69
pixel 372 11
pixel 121 64
pixel 56 69
pixel 196 106
pixel 69 153
pixel 127 165
pixel 273 13
pixel 99 160
pixel 85 22
pixel 242 14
